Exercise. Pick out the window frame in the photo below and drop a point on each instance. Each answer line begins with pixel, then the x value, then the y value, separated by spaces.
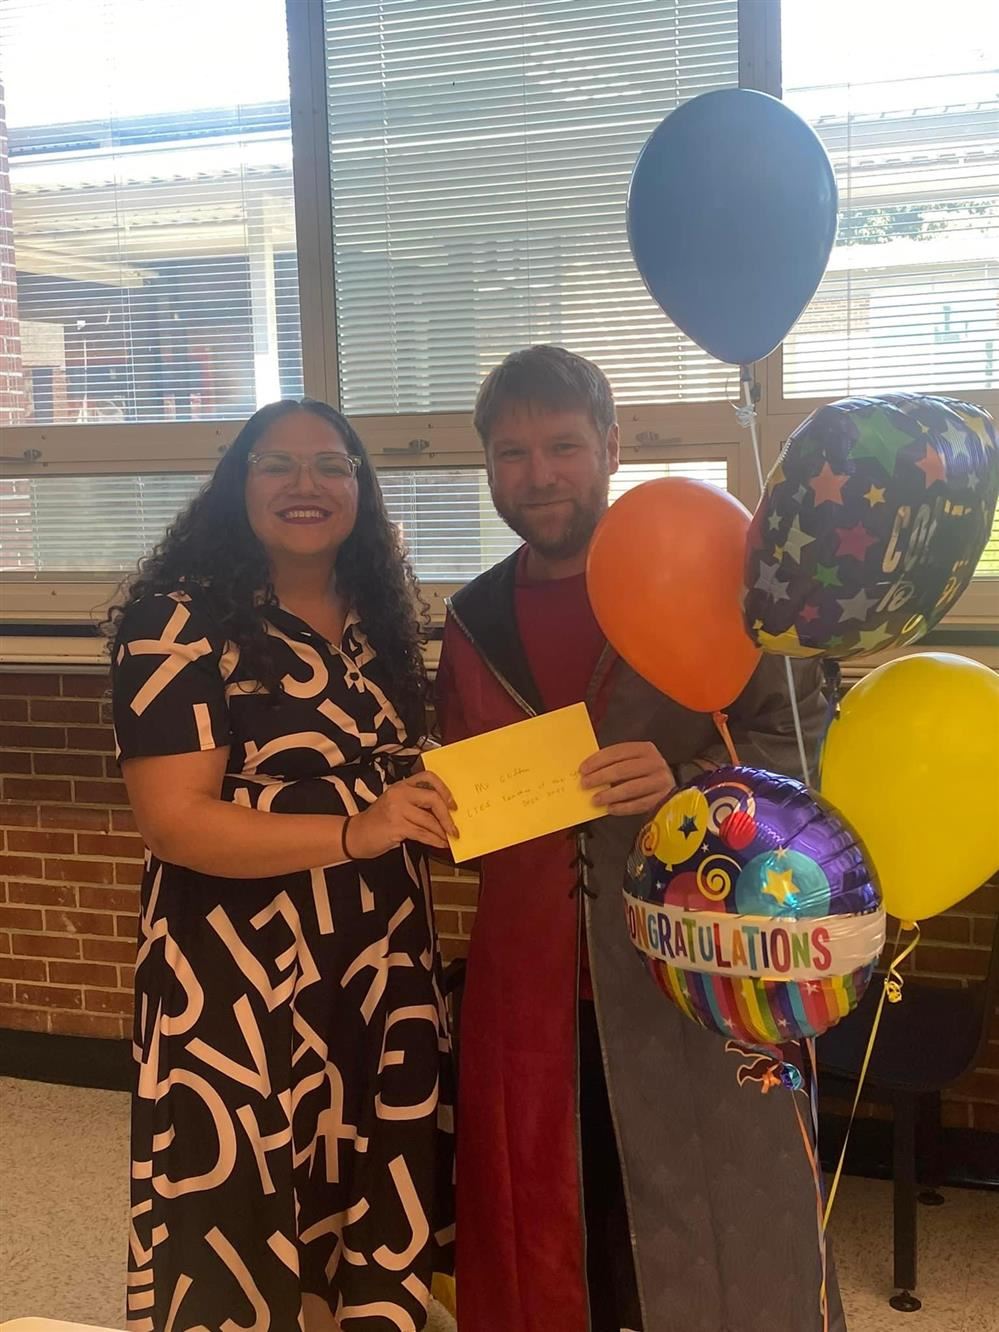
pixel 650 432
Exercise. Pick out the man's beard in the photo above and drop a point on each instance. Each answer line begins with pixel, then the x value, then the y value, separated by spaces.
pixel 573 534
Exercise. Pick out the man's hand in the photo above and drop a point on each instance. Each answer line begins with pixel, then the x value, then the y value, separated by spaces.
pixel 636 776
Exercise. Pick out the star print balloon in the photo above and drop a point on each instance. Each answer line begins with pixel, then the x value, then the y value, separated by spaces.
pixel 871 525
pixel 754 907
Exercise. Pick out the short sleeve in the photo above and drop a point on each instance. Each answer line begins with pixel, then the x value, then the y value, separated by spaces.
pixel 167 686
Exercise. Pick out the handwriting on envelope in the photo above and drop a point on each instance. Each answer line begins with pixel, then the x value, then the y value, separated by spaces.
pixel 519 782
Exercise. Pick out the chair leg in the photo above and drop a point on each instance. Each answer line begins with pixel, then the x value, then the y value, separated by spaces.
pixel 929 1141
pixel 904 1171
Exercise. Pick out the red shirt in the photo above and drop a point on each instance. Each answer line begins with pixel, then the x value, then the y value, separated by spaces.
pixel 563 643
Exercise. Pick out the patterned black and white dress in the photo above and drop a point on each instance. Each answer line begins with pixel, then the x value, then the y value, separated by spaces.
pixel 292 1127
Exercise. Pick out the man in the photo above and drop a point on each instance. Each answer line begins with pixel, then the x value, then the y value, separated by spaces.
pixel 611 1172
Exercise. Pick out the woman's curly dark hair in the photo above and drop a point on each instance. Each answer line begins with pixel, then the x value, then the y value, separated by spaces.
pixel 211 546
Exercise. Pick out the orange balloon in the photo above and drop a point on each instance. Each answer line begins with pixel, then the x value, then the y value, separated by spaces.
pixel 665 578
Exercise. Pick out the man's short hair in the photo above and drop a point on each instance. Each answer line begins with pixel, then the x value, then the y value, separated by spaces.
pixel 549 378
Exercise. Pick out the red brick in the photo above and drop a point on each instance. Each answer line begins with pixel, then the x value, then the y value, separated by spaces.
pixel 128 872
pixel 103 844
pixel 57 843
pixel 4 943
pixel 101 793
pixel 28 683
pixel 86 686
pixel 23 1019
pixel 22 968
pixel 452 948
pixel 983 931
pixel 125 927
pixel 42 789
pixel 85 712
pixel 13 709
pixel 955 1114
pixel 107 713
pixel 82 973
pixel 71 816
pixel 33 737
pixel 79 922
pixel 968 962
pixel 79 871
pixel 20 918
pixel 47 996
pixel 985 1118
pixel 42 894
pixel 126 977
pixel 455 894
pixel 110 899
pixel 448 922
pixel 6 994
pixel 112 768
pixel 19 816
pixel 984 902
pixel 108 950
pixel 107 1001
pixel 15 866
pixel 69 765
pixel 100 739
pixel 15 762
pixel 467 922
pixel 123 820
pixel 45 945
pixel 947 929
pixel 88 1024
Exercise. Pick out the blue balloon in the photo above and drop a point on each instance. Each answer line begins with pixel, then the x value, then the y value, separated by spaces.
pixel 731 218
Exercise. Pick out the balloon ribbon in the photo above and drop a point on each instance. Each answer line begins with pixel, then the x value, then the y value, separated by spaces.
pixel 891 991
pixel 720 720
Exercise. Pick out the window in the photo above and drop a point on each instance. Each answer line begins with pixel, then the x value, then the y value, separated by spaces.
pixel 84 526
pixel 149 164
pixel 909 113
pixel 457 188
pixel 480 157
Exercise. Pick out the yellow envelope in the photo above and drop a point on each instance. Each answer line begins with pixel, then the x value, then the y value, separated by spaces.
pixel 519 782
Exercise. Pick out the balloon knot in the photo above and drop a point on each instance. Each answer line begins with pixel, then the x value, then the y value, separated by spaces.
pixel 769 1079
pixel 893 990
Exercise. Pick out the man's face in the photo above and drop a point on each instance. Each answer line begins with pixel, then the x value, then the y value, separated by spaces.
pixel 549 474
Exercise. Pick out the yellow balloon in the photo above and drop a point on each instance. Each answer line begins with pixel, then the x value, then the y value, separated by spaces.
pixel 910 763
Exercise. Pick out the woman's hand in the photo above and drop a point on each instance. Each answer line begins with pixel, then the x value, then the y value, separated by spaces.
pixel 636 777
pixel 415 810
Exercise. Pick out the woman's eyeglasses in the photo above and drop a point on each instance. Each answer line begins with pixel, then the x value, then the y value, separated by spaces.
pixel 326 466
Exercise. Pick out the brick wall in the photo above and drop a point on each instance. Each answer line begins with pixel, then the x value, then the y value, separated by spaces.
pixel 70 869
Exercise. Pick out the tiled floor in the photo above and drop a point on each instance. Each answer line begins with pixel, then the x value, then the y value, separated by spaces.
pixel 63 1188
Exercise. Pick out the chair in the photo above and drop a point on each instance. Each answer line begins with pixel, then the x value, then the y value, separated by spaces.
pixel 926 1042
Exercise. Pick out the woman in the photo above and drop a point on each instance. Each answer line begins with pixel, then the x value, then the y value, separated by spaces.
pixel 291 1129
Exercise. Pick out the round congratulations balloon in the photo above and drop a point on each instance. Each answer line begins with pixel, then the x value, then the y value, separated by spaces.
pixel 871 525
pixel 754 907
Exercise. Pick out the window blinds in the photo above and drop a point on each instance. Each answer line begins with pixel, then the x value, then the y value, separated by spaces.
pixel 909 112
pixel 149 164
pixel 480 156
pixel 101 525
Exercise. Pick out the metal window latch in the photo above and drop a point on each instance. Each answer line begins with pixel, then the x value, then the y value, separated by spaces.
pixel 414 446
pixel 28 456
pixel 647 439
